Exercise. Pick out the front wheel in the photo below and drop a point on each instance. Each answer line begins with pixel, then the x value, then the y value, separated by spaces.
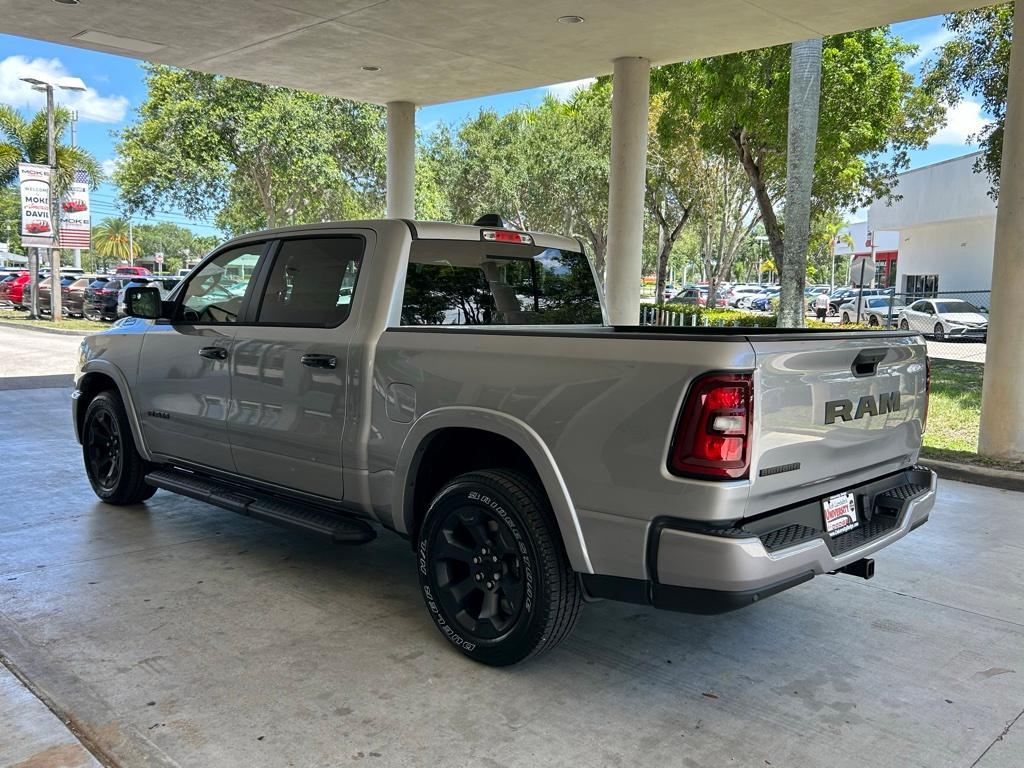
pixel 494 573
pixel 904 325
pixel 846 319
pixel 940 332
pixel 115 469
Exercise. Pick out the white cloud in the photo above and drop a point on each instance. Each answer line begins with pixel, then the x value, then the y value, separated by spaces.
pixel 962 121
pixel 110 165
pixel 90 104
pixel 929 43
pixel 563 91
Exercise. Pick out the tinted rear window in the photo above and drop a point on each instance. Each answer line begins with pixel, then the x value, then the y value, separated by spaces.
pixel 454 282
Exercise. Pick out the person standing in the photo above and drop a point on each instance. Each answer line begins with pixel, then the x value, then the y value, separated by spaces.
pixel 821 306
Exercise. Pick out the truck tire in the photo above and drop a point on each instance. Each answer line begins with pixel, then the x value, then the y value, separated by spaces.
pixel 115 469
pixel 493 571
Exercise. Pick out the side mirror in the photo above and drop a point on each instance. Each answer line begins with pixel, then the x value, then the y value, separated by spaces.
pixel 143 301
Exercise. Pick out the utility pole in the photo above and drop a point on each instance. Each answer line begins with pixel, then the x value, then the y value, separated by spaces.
pixel 76 253
pixel 131 242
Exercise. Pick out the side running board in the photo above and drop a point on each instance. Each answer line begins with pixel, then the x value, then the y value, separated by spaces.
pixel 338 528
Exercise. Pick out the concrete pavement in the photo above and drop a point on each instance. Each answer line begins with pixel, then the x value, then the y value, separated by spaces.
pixel 177 634
pixel 33 359
pixel 31 736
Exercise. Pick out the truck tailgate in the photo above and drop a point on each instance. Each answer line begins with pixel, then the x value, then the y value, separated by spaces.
pixel 831 413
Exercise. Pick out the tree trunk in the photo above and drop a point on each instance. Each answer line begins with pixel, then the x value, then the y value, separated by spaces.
pixel 764 201
pixel 804 96
pixel 666 242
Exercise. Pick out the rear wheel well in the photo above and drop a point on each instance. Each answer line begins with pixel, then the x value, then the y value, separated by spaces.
pixel 451 452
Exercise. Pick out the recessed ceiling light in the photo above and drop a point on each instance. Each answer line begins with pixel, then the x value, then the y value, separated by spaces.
pixel 370 68
pixel 67 2
pixel 571 19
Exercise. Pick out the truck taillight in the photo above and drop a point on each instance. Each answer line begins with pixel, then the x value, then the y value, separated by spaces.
pixel 927 390
pixel 712 438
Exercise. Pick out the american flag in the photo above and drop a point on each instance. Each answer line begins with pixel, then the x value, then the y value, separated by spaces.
pixel 76 233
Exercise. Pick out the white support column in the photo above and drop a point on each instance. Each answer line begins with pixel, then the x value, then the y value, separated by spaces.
pixel 631 84
pixel 1002 401
pixel 401 170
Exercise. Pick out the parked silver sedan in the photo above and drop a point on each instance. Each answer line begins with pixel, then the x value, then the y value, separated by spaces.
pixel 876 311
pixel 945 318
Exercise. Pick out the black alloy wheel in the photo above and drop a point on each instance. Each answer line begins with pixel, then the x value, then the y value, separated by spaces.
pixel 103 450
pixel 480 578
pixel 115 469
pixel 494 573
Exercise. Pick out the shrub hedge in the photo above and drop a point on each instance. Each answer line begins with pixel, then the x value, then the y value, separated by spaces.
pixel 733 317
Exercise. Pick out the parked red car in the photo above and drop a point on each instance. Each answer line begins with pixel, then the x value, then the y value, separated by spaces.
pixel 14 290
pixel 132 271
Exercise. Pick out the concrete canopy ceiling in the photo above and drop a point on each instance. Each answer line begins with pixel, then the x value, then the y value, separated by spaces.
pixel 432 51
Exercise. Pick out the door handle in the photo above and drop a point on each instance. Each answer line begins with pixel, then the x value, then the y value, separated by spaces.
pixel 214 353
pixel 329 362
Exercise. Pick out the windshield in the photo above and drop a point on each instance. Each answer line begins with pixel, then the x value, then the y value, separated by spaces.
pixel 455 282
pixel 956 306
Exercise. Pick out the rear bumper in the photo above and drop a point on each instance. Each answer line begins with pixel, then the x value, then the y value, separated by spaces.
pixel 702 570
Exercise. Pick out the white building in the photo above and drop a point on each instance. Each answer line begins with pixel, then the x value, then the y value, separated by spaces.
pixel 946 225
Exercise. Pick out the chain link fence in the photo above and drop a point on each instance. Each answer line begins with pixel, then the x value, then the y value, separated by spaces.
pixel 954 323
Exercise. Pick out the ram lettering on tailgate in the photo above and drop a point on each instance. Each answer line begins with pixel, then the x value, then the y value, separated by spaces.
pixel 869 405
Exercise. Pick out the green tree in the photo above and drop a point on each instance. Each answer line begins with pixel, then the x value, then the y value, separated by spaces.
pixel 541 168
pixel 975 62
pixel 25 141
pixel 178 244
pixel 871 114
pixel 111 240
pixel 250 154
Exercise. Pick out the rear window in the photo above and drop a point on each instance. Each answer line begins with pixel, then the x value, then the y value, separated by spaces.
pixel 454 282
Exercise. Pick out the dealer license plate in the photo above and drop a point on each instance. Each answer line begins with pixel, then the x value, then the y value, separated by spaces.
pixel 840 513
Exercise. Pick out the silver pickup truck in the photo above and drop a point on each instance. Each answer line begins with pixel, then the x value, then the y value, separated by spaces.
pixel 460 386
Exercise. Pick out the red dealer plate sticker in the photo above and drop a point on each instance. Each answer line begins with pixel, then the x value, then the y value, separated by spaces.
pixel 840 513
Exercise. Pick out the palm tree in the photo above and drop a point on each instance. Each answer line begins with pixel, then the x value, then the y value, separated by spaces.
pixel 111 239
pixel 804 95
pixel 24 141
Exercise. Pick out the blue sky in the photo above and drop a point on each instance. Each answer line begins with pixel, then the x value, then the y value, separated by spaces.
pixel 116 88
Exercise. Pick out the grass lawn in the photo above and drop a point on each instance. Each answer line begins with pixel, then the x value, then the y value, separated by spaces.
pixel 954 413
pixel 67 324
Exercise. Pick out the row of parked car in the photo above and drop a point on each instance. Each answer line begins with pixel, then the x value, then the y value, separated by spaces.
pixel 737 295
pixel 97 297
pixel 939 318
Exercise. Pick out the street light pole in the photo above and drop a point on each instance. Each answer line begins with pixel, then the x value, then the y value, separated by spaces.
pixel 67 84
pixel 76 253
pixel 51 160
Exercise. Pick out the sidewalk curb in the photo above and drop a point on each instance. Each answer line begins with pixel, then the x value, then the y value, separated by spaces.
pixel 969 473
pixel 38 329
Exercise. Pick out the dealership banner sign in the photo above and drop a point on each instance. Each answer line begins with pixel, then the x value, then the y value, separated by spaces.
pixel 36 215
pixel 75 224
